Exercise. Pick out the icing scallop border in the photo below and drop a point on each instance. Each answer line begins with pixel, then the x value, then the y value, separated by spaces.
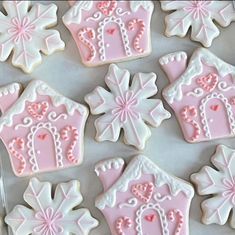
pixel 176 56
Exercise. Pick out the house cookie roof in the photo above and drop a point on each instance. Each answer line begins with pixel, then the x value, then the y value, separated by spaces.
pixel 174 91
pixel 138 166
pixel 74 15
pixel 30 94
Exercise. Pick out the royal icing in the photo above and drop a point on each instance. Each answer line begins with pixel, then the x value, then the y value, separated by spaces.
pixel 144 199
pixel 201 94
pixel 42 130
pixel 200 15
pixel 110 31
pixel 25 32
pixel 49 215
pixel 126 107
pixel 220 183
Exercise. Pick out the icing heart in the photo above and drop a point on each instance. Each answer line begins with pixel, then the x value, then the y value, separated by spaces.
pixel 143 192
pixel 209 82
pixel 107 7
pixel 110 31
pixel 150 218
pixel 38 110
pixel 215 107
pixel 42 137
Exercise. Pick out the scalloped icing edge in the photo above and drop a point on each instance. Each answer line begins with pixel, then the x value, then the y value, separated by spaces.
pixel 176 56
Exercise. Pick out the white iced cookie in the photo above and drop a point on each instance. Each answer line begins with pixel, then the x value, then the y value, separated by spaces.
pixel 51 216
pixel 200 16
pixel 126 108
pixel 24 31
pixel 219 183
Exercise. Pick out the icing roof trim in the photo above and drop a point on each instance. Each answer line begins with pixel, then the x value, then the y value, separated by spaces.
pixel 138 166
pixel 174 91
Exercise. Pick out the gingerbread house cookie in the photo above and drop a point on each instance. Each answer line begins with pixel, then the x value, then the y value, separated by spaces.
pixel 110 31
pixel 201 94
pixel 143 199
pixel 41 129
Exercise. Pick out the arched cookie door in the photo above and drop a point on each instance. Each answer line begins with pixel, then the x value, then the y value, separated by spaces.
pixel 113 40
pixel 44 147
pixel 217 116
pixel 151 220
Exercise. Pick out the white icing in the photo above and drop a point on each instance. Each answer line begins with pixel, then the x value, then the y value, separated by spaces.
pixel 161 214
pixel 228 108
pixel 132 202
pixel 137 167
pixel 27 122
pixel 95 17
pixel 31 145
pixel 9 89
pixel 200 57
pixel 53 116
pixel 223 86
pixel 103 166
pixel 100 36
pixel 197 92
pixel 120 12
pixel 176 56
pixel 147 5
pixel 30 94
pixel 159 198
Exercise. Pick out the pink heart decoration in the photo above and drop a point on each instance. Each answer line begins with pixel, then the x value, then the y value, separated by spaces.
pixel 150 218
pixel 209 82
pixel 215 107
pixel 143 192
pixel 107 7
pixel 38 110
pixel 42 136
pixel 110 31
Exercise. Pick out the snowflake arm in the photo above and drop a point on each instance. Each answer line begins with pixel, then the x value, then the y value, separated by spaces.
pixel 220 184
pixel 51 216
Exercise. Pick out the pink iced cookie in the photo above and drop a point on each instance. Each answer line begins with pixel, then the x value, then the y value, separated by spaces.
pixel 110 31
pixel 143 199
pixel 41 129
pixel 200 16
pixel 51 215
pixel 26 32
pixel 201 94
pixel 127 106
pixel 220 183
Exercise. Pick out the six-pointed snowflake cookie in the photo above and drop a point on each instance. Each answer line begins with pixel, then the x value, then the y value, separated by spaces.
pixel 220 183
pixel 51 216
pixel 110 31
pixel 24 31
pixel 126 107
pixel 200 16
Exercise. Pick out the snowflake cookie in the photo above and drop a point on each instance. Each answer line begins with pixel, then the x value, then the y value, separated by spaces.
pixel 221 184
pixel 51 216
pixel 110 31
pixel 126 107
pixel 142 199
pixel 200 15
pixel 24 31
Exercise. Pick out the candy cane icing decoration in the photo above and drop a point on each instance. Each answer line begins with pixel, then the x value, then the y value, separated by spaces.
pixel 123 222
pixel 65 136
pixel 172 214
pixel 20 144
pixel 91 35
pixel 193 112
pixel 140 33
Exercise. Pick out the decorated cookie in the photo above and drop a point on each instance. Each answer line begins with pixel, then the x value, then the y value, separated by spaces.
pixel 25 33
pixel 51 216
pixel 110 31
pixel 126 108
pixel 220 183
pixel 200 16
pixel 143 199
pixel 41 129
pixel 201 94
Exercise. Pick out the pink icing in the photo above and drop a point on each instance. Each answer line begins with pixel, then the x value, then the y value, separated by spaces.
pixel 118 34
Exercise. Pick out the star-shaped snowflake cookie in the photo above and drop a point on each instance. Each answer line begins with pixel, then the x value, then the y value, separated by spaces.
pixel 51 216
pixel 24 31
pixel 126 108
pixel 200 16
pixel 220 183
